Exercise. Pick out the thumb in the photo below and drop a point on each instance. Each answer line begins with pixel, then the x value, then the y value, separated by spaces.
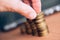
pixel 25 10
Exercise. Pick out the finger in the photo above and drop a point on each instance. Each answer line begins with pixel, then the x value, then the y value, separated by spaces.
pixel 36 4
pixel 6 6
pixel 25 10
pixel 5 9
pixel 2 9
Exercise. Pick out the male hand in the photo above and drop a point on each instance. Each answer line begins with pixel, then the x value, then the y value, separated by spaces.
pixel 27 8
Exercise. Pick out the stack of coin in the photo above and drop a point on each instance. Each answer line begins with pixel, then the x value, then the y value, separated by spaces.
pixel 22 28
pixel 42 28
pixel 33 27
pixel 25 28
pixel 28 28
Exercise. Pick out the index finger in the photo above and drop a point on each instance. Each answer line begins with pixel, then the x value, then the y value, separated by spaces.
pixel 36 4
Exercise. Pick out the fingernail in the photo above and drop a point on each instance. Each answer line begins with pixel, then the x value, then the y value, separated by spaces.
pixel 32 16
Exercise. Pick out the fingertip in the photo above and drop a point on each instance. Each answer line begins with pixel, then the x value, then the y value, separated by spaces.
pixel 32 16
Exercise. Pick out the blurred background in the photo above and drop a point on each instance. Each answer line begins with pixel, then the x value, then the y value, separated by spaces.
pixel 10 20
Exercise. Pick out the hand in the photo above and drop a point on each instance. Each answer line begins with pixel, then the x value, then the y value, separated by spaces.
pixel 27 8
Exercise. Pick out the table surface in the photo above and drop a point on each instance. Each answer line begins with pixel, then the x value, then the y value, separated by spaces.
pixel 53 22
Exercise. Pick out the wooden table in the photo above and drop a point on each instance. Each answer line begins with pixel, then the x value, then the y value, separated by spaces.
pixel 53 22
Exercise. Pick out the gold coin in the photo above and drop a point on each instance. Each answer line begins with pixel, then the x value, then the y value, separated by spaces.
pixel 43 33
pixel 28 28
pixel 39 21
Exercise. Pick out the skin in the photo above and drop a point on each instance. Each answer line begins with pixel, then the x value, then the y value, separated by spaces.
pixel 27 8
